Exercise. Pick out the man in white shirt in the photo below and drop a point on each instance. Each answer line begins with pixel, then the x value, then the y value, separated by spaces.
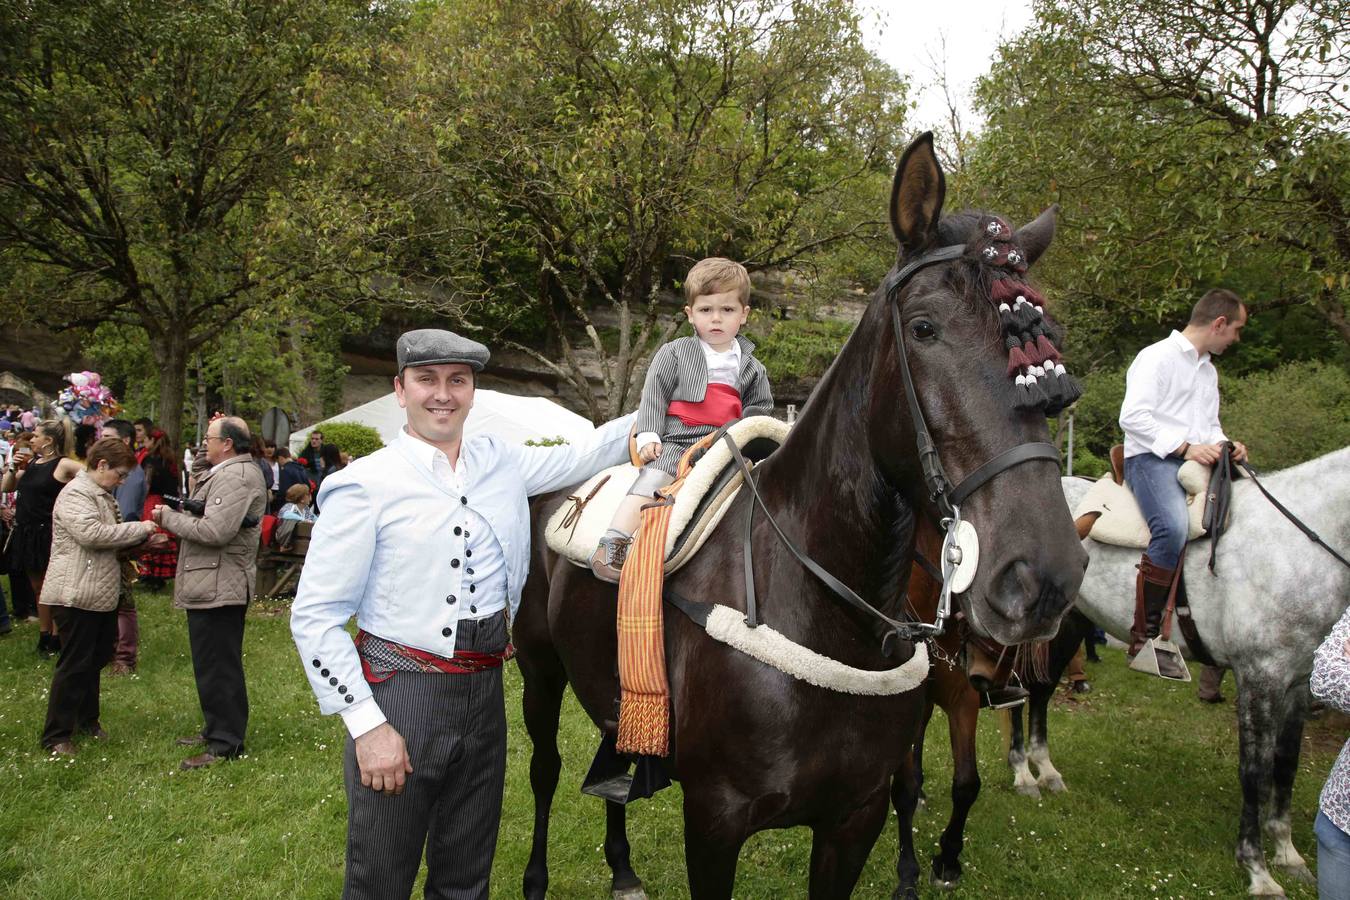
pixel 1170 415
pixel 427 543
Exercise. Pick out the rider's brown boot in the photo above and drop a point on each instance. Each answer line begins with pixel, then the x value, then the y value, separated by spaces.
pixel 1152 588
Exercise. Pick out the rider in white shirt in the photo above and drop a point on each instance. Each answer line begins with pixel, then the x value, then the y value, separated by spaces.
pixel 1170 415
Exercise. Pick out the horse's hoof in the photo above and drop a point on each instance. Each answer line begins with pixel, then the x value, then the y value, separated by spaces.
pixel 943 884
pixel 1054 784
pixel 906 893
pixel 631 893
pixel 1028 790
pixel 1300 872
pixel 1264 886
pixel 921 805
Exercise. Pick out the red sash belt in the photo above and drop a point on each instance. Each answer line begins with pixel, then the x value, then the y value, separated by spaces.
pixel 719 405
pixel 381 658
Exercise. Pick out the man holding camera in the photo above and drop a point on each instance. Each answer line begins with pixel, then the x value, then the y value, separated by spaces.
pixel 217 567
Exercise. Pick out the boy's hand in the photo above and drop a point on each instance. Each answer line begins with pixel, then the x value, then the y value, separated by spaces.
pixel 650 452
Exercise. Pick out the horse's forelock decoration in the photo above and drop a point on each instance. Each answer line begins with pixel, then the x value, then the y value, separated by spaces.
pixel 1034 361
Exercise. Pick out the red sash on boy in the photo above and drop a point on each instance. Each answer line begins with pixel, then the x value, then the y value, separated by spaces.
pixel 719 405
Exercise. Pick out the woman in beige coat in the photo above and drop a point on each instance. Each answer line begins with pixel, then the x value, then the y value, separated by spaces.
pixel 83 579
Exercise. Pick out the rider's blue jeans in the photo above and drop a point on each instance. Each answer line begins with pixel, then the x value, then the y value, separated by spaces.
pixel 1333 860
pixel 1162 499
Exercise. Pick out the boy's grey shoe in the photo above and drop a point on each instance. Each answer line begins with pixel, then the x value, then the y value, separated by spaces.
pixel 609 556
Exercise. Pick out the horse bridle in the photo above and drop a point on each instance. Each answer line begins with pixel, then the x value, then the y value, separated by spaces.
pixel 941 493
pixel 947 498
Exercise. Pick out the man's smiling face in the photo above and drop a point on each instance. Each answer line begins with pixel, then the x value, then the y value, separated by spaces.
pixel 438 399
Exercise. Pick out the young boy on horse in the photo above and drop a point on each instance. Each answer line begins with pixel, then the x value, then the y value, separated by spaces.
pixel 1170 415
pixel 694 386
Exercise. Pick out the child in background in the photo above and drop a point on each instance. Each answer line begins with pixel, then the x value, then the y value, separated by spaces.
pixel 694 386
pixel 297 507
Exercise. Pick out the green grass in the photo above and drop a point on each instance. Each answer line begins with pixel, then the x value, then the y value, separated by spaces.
pixel 1151 809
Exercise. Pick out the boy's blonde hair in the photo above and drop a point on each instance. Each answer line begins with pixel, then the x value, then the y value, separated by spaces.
pixel 717 275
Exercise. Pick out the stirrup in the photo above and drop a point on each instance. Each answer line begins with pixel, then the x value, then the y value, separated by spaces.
pixel 1007 697
pixel 1146 660
pixel 609 778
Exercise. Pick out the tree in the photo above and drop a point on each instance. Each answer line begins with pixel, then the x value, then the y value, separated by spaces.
pixel 143 148
pixel 1190 144
pixel 562 164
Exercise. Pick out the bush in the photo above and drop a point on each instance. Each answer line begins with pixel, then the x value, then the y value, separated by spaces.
pixel 798 348
pixel 1285 416
pixel 352 438
pixel 1096 419
pixel 1290 415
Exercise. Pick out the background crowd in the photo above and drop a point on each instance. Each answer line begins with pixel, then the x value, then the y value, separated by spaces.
pixel 87 517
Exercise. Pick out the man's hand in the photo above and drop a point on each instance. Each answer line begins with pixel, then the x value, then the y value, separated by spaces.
pixel 156 512
pixel 651 452
pixel 1239 452
pixel 150 529
pixel 1207 454
pixel 383 760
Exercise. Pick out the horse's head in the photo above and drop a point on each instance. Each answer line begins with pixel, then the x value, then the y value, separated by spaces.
pixel 984 368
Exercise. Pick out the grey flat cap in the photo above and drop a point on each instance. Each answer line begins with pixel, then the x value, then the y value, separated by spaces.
pixel 436 346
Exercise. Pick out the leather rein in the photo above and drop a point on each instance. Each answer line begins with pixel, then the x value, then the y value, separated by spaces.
pixel 942 493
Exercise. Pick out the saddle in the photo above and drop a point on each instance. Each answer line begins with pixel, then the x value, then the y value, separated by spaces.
pixel 1109 514
pixel 575 528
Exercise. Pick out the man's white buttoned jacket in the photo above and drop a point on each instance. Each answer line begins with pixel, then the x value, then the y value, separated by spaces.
pixel 388 542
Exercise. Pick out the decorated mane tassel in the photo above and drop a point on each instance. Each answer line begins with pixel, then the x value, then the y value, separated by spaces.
pixel 1004 291
pixel 1031 350
pixel 1025 314
pixel 1017 360
pixel 1047 350
pixel 1069 385
pixel 1054 388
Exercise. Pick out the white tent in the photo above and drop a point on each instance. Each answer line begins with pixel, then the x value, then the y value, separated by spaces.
pixel 512 418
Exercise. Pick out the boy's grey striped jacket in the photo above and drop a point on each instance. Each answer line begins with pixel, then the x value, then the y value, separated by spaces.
pixel 679 371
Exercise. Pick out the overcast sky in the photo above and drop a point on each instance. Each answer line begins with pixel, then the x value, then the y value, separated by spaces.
pixel 909 36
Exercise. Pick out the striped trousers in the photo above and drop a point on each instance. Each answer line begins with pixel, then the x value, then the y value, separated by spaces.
pixel 455 729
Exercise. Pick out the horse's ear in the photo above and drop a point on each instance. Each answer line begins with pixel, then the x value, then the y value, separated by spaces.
pixel 1035 236
pixel 916 196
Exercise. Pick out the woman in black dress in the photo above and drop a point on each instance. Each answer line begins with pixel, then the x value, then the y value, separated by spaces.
pixel 38 482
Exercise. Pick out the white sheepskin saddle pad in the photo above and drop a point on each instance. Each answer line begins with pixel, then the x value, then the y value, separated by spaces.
pixel 1122 523
pixel 700 504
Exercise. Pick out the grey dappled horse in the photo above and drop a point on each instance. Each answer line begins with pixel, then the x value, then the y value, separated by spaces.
pixel 1274 597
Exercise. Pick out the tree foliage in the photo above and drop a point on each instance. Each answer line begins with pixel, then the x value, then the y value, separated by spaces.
pixel 559 164
pixel 1190 144
pixel 143 146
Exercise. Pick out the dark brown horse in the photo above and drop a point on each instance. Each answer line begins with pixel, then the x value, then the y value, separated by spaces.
pixel 754 748
pixel 949 687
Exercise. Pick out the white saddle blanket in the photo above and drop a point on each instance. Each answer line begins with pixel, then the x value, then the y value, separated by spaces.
pixel 1121 521
pixel 578 543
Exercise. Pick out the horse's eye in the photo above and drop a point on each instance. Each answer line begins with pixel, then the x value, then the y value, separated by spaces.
pixel 922 329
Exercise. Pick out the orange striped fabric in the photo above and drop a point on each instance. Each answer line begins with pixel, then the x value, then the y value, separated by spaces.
pixel 644 698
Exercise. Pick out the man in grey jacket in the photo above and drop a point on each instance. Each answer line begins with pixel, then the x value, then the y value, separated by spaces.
pixel 217 568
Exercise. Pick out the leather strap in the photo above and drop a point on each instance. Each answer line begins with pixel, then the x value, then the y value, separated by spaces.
pixel 1192 635
pixel 1217 497
pixel 1312 535
pixel 1005 460
pixel 903 630
pixel 747 558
